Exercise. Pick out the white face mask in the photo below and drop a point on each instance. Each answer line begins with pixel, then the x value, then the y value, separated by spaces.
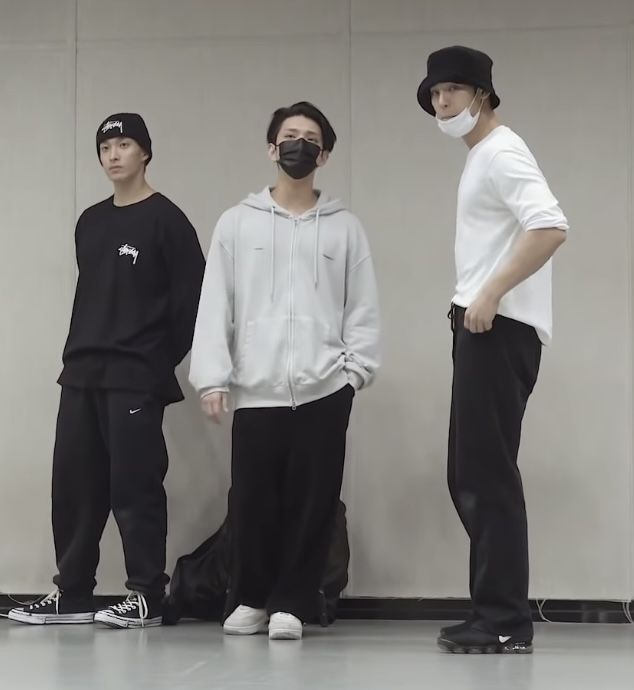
pixel 461 124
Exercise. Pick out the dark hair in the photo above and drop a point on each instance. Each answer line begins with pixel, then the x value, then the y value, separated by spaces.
pixel 307 110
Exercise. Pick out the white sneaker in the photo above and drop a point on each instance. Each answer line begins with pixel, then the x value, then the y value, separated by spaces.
pixel 245 621
pixel 285 626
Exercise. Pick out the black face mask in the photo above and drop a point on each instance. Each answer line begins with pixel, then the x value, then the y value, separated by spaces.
pixel 298 157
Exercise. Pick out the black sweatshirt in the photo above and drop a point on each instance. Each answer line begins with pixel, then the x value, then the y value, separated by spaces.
pixel 140 274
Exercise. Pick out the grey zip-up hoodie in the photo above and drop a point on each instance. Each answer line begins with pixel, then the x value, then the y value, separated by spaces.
pixel 288 312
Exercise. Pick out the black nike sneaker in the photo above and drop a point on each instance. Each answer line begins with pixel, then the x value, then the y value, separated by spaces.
pixel 465 639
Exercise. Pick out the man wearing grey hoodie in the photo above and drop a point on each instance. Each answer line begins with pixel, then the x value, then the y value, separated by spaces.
pixel 288 326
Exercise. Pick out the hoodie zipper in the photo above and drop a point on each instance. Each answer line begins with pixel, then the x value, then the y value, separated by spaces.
pixel 291 323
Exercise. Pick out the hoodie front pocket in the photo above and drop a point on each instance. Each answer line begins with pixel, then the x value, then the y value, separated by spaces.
pixel 262 354
pixel 316 353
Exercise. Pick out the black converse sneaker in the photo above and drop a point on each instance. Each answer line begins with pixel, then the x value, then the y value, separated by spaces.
pixel 58 608
pixel 462 639
pixel 136 611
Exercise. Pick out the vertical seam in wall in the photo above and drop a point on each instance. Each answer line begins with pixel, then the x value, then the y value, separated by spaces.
pixel 351 465
pixel 75 108
pixel 630 296
pixel 350 178
pixel 74 148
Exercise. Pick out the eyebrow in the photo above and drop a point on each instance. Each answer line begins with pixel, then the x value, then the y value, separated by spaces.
pixel 294 130
pixel 446 84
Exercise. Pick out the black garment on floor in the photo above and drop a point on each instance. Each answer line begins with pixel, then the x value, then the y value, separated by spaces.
pixel 140 274
pixel 109 454
pixel 494 375
pixel 201 586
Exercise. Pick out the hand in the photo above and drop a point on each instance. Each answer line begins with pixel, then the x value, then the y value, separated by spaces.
pixel 214 404
pixel 479 316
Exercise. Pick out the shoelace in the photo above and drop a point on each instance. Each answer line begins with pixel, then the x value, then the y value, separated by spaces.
pixel 134 601
pixel 53 597
pixel 287 617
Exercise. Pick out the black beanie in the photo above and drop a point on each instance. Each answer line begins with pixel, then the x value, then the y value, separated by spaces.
pixel 125 125
pixel 459 65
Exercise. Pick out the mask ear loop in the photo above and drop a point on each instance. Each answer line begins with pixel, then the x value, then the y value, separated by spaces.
pixel 483 97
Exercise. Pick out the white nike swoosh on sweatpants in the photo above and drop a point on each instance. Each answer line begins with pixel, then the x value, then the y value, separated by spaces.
pixel 135 411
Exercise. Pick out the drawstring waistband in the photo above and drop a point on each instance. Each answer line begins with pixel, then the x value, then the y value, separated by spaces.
pixel 451 315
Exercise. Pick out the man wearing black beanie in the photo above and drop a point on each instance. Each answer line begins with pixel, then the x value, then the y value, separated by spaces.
pixel 140 273
pixel 509 225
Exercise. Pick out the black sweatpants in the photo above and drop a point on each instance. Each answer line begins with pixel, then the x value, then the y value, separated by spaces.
pixel 494 375
pixel 287 469
pixel 109 455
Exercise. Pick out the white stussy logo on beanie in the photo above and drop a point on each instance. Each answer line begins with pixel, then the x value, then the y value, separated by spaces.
pixel 112 124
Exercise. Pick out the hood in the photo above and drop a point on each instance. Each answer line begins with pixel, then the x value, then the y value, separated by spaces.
pixel 263 201
pixel 325 206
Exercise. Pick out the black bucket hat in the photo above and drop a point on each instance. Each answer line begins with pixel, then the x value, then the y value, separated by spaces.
pixel 459 65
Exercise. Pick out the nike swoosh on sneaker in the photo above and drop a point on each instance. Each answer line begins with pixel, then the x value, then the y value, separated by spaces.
pixel 135 411
pixel 504 638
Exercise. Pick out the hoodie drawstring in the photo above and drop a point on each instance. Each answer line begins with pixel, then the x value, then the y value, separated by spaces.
pixel 315 253
pixel 272 253
pixel 316 257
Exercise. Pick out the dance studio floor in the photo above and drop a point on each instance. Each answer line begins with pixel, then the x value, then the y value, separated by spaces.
pixel 365 655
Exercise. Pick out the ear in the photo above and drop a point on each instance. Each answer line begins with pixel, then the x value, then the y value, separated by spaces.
pixel 486 102
pixel 273 153
pixel 322 158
